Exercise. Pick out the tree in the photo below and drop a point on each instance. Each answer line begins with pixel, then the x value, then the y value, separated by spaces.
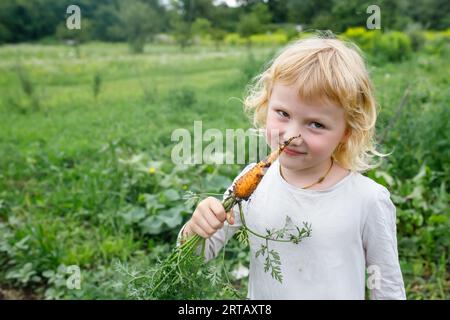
pixel 29 20
pixel 303 12
pixel 279 10
pixel 106 24
pixel 254 22
pixel 181 29
pixel 201 27
pixel 183 15
pixel 140 23
pixel 432 13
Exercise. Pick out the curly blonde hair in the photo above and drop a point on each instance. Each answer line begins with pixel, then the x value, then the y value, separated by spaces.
pixel 324 69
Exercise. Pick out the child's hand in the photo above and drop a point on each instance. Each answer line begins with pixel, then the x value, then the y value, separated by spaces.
pixel 207 218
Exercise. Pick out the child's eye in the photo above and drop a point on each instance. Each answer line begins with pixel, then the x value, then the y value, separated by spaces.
pixel 283 114
pixel 317 125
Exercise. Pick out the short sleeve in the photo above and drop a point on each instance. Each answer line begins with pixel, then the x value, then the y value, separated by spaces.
pixel 385 279
pixel 216 242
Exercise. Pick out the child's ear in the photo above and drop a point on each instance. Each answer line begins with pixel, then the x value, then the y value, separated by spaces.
pixel 346 135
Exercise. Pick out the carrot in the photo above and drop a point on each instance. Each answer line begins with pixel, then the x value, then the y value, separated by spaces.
pixel 246 185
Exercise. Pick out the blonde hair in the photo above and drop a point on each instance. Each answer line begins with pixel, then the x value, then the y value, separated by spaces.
pixel 324 69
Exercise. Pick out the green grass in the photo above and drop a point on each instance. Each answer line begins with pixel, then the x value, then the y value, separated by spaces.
pixel 67 197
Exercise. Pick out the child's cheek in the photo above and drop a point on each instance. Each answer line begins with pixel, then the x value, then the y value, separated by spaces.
pixel 273 130
pixel 316 145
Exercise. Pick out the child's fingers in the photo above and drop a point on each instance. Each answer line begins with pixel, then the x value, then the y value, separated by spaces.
pixel 203 224
pixel 230 217
pixel 217 208
pixel 213 221
pixel 197 230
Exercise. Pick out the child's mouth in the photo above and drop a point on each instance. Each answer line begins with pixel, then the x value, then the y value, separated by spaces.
pixel 293 153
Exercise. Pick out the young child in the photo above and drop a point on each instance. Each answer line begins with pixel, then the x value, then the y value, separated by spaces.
pixel 318 88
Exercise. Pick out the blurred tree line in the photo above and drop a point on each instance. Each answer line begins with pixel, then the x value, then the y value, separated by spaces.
pixel 138 21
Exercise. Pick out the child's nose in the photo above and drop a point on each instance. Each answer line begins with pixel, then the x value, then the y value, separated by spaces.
pixel 294 132
pixel 295 143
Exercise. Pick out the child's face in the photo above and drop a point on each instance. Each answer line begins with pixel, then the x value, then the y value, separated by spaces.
pixel 321 124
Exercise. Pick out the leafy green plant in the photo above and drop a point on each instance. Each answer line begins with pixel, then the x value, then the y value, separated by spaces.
pixel 382 47
pixel 183 98
pixel 96 85
pixel 32 100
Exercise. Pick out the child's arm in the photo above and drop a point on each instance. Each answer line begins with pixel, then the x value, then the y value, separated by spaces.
pixel 214 243
pixel 385 279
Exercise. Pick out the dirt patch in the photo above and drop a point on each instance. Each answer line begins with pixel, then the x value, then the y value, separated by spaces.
pixel 9 293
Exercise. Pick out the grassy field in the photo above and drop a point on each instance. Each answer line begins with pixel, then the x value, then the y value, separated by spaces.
pixel 86 177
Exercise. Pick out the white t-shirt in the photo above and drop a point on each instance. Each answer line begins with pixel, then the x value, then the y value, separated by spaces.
pixel 353 228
